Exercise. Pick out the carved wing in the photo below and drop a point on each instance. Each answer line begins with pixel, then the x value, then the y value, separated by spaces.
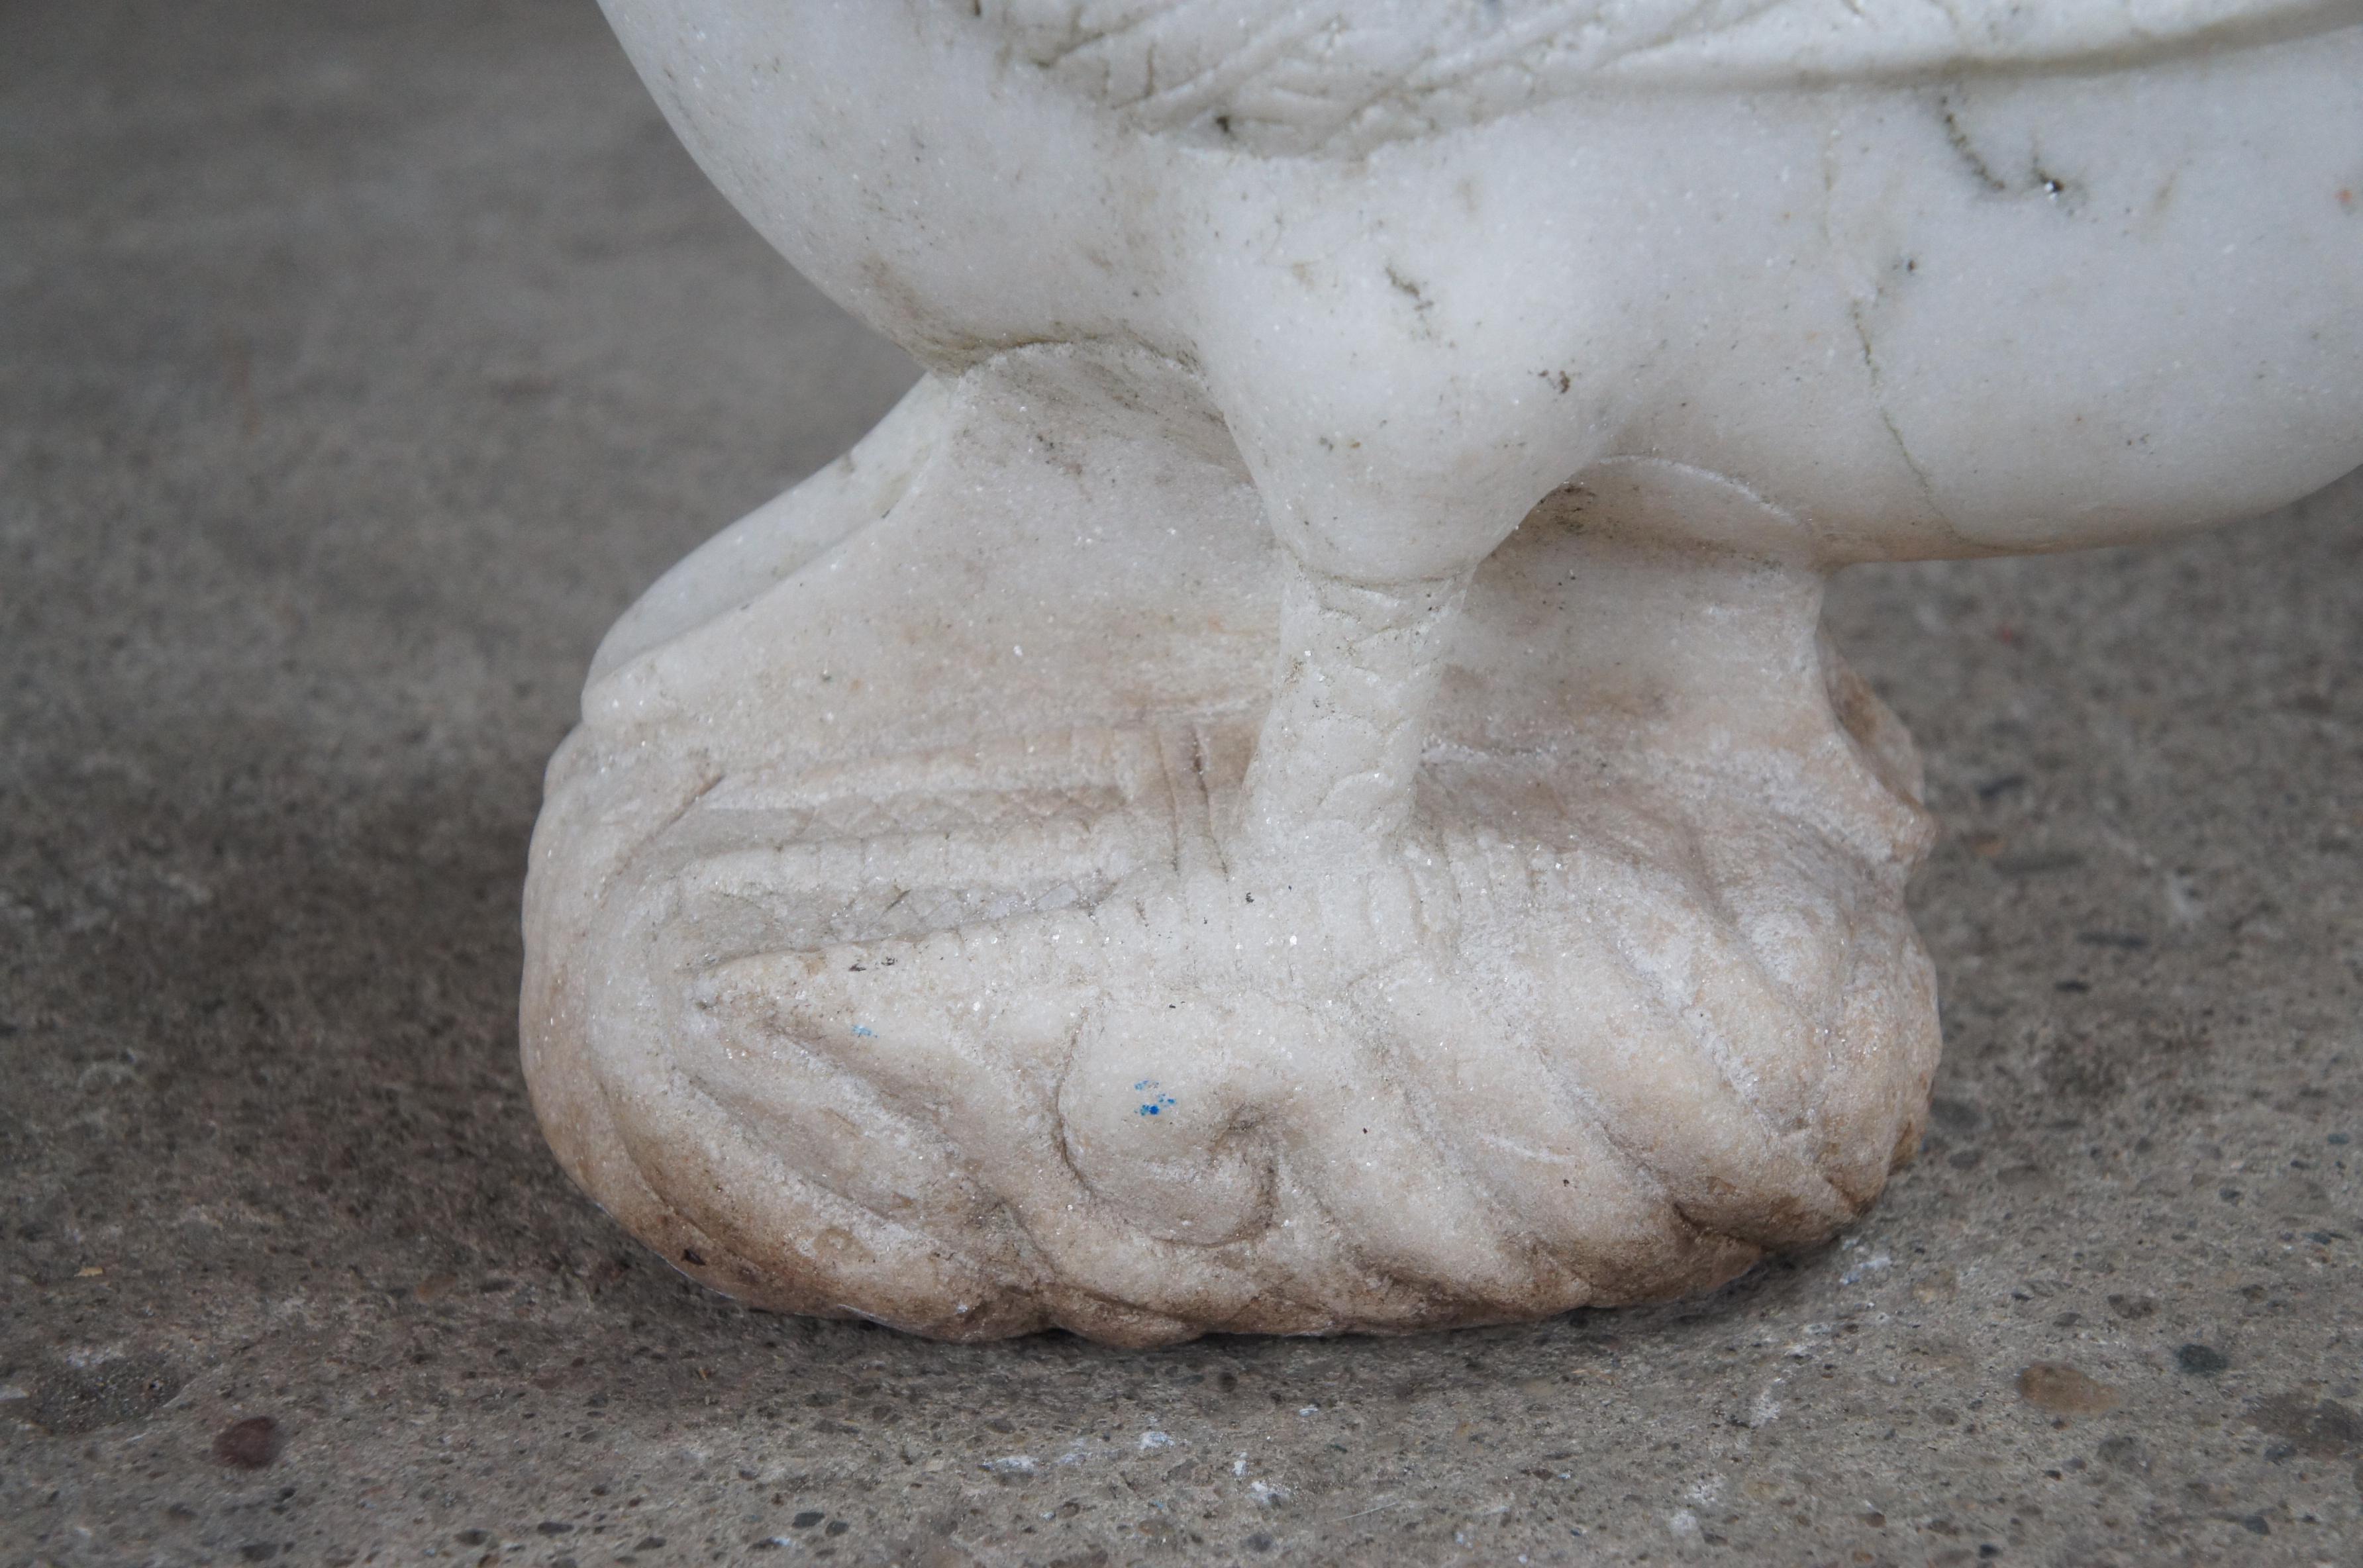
pixel 1340 76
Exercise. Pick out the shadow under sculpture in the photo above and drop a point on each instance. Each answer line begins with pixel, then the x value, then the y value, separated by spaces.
pixel 1293 785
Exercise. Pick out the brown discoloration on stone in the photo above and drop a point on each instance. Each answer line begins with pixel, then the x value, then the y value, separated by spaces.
pixel 2063 1390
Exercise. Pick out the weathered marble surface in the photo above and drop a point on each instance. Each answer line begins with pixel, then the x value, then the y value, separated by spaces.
pixel 1293 785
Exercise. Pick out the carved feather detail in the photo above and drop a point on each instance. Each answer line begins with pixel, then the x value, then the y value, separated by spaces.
pixel 1329 77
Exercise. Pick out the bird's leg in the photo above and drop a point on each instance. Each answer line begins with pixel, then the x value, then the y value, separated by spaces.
pixel 1339 750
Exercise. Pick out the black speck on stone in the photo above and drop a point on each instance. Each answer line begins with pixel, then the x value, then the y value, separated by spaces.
pixel 808 1518
pixel 250 1444
pixel 1989 1550
pixel 555 1527
pixel 473 1537
pixel 2255 1525
pixel 836 1527
pixel 648 1543
pixel 2133 1308
pixel 259 1551
pixel 1258 1541
pixel 2204 1360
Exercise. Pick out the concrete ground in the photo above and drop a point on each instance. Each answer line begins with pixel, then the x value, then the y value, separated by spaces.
pixel 359 362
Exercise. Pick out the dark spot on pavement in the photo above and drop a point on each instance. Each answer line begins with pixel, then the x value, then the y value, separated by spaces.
pixel 2203 1360
pixel 2323 1429
pixel 248 1444
pixel 1958 1117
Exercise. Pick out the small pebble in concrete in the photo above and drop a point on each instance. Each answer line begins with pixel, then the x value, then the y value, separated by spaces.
pixel 2122 1452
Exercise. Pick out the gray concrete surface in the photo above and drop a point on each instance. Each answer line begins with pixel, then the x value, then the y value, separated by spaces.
pixel 359 361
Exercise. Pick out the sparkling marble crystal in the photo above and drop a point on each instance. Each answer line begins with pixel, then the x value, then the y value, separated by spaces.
pixel 1295 784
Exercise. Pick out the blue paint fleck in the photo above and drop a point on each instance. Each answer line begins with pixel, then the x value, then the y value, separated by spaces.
pixel 1156 1104
pixel 865 1031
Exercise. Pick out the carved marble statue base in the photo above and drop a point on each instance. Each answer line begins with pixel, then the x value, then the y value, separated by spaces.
pixel 1295 784
pixel 898 955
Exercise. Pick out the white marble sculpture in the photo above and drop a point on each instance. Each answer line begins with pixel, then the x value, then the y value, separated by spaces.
pixel 1293 784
